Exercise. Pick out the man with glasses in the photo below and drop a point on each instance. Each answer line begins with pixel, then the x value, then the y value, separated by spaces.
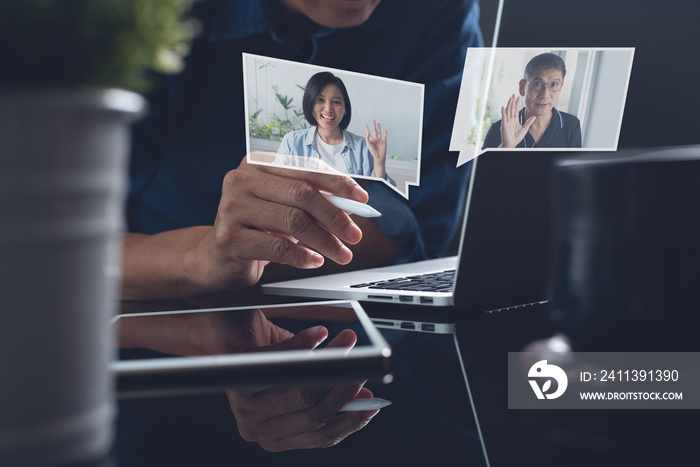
pixel 539 123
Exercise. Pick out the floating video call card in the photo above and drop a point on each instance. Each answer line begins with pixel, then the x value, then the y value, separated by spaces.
pixel 286 111
pixel 583 90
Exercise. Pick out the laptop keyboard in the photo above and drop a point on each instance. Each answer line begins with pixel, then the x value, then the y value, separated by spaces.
pixel 432 282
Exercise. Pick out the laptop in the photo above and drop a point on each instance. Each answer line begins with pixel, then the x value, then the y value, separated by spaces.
pixel 503 255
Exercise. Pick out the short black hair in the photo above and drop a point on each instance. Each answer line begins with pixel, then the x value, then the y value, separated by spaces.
pixel 313 90
pixel 545 61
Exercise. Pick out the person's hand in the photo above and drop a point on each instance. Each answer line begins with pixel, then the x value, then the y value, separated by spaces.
pixel 512 132
pixel 266 214
pixel 280 418
pixel 377 147
pixel 285 418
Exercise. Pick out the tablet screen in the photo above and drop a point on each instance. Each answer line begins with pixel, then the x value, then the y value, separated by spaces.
pixel 246 347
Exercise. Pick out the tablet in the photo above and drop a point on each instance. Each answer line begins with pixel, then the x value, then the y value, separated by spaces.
pixel 192 351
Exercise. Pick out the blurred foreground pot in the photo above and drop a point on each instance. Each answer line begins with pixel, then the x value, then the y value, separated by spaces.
pixel 63 159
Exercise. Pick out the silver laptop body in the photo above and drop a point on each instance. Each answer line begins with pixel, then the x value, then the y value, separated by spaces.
pixel 503 250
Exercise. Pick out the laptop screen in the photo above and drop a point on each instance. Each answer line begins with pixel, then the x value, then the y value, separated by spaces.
pixel 506 237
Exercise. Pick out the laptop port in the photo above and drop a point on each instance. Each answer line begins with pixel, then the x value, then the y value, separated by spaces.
pixel 405 298
pixel 426 299
pixel 382 297
pixel 427 327
pixel 407 325
pixel 383 323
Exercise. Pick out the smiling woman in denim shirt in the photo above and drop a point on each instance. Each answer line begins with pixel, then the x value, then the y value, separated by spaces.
pixel 326 106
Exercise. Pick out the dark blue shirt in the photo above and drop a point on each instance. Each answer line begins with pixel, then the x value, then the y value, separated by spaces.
pixel 563 131
pixel 195 132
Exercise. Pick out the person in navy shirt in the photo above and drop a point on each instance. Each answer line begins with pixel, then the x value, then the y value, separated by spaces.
pixel 539 123
pixel 198 214
pixel 201 219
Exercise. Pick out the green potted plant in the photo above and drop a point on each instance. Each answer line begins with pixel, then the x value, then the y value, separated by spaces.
pixel 67 80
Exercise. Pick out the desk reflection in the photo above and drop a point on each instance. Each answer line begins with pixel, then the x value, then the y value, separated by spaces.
pixel 430 422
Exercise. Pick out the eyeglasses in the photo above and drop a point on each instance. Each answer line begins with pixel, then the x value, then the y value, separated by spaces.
pixel 537 86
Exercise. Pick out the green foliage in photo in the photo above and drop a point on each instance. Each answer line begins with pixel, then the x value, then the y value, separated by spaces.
pixel 275 127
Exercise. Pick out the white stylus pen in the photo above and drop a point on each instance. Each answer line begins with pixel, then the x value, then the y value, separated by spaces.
pixel 373 403
pixel 353 207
